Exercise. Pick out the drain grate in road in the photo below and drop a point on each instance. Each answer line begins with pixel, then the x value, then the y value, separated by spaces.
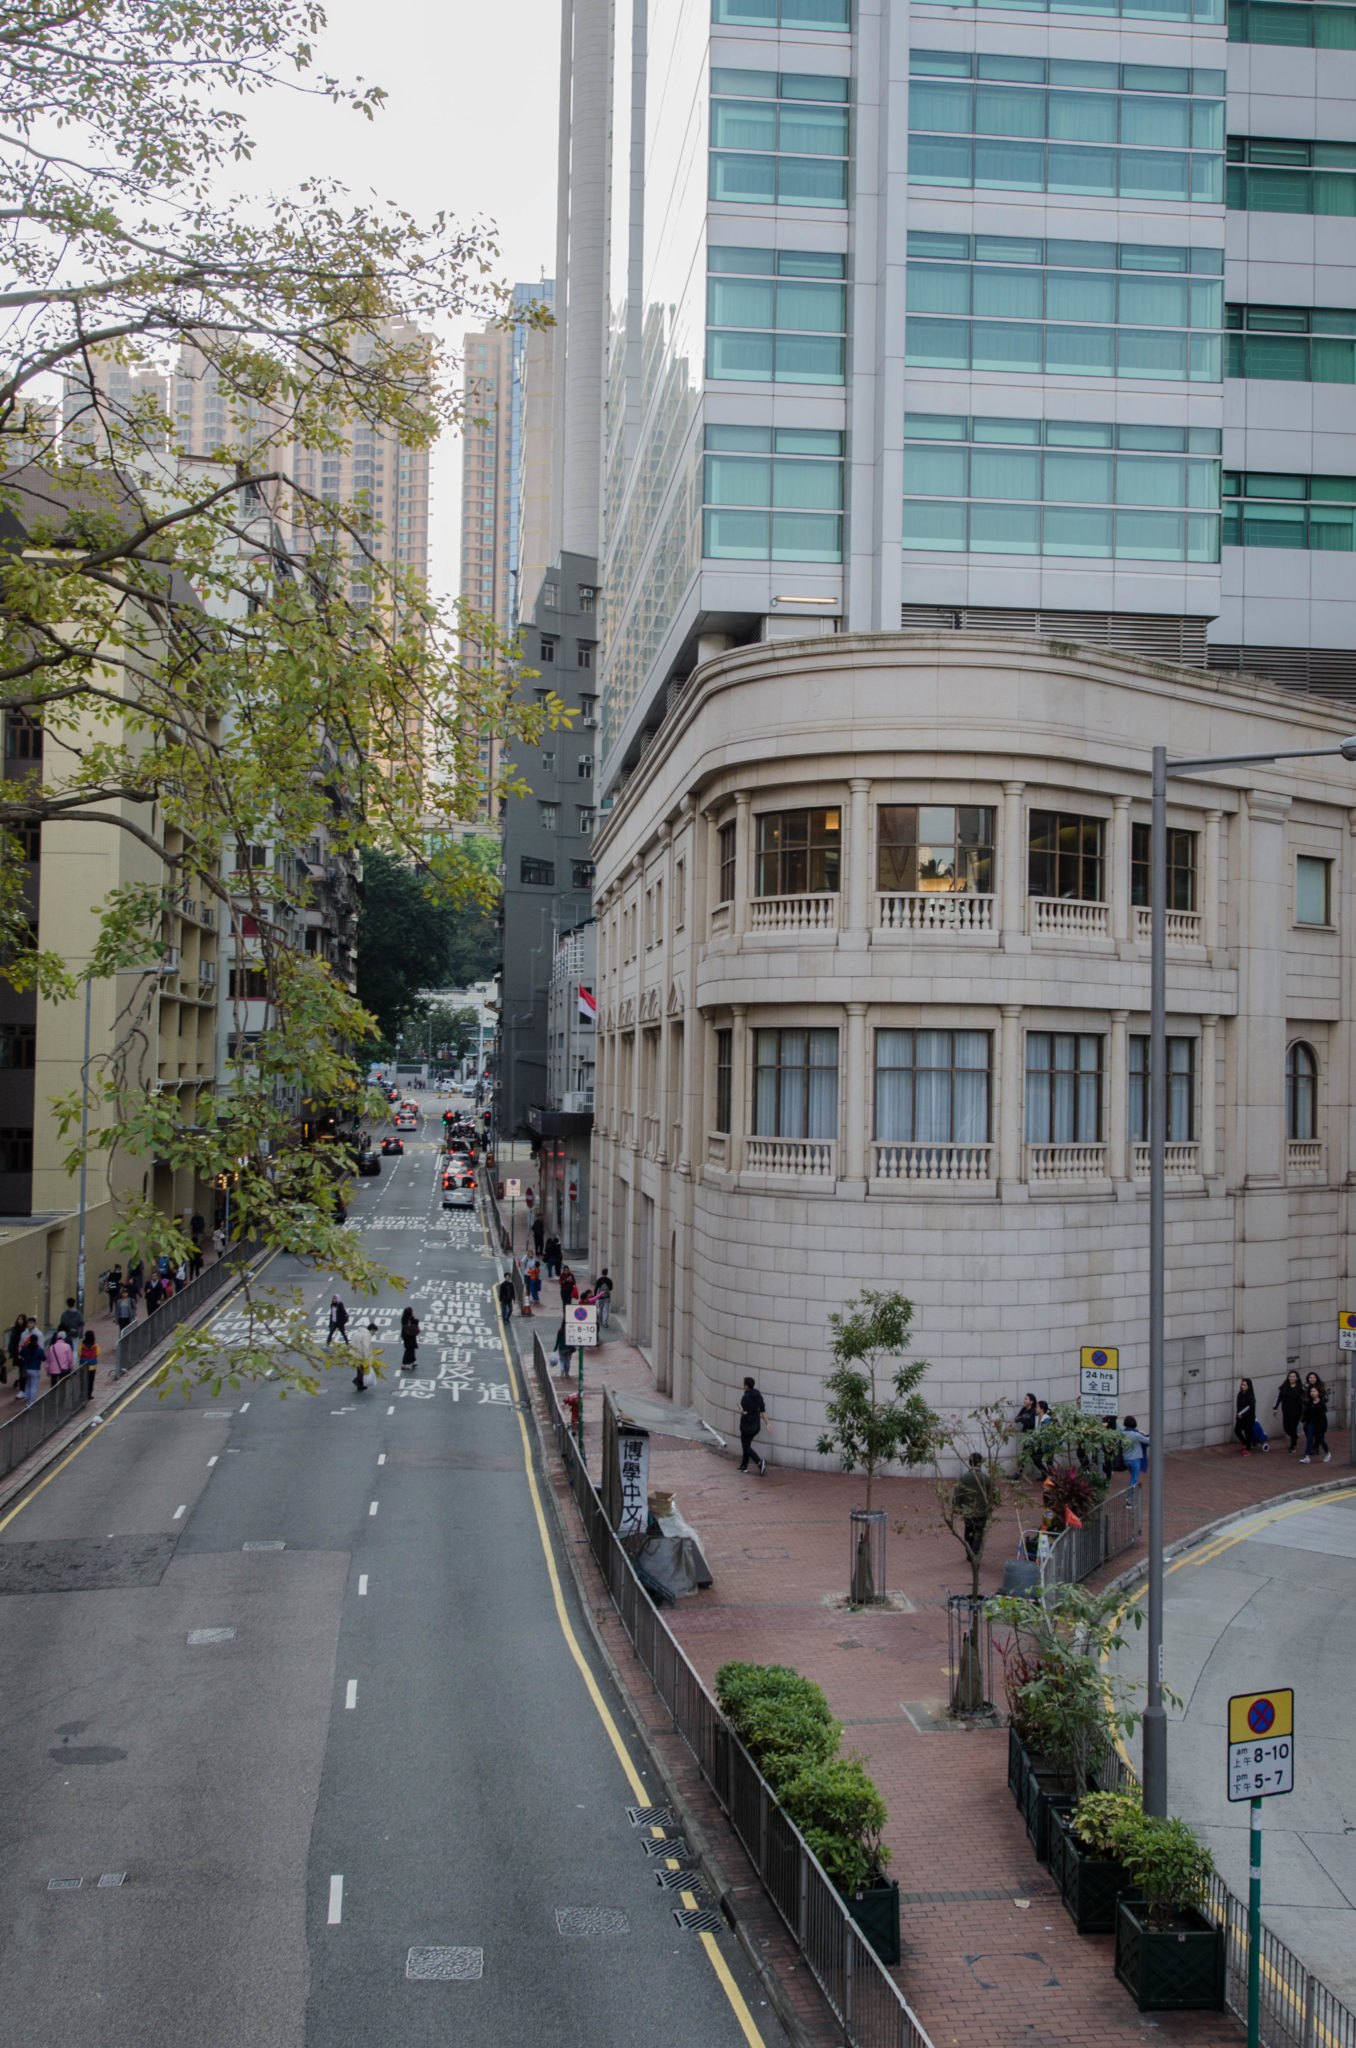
pixel 112 1877
pixel 64 1884
pixel 666 1845
pixel 577 1921
pixel 263 1546
pixel 699 1919
pixel 650 1816
pixel 670 1880
pixel 445 1965
pixel 211 1635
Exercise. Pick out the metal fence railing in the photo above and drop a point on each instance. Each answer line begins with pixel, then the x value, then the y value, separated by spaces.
pixel 1113 1527
pixel 21 1435
pixel 1297 2010
pixel 872 2009
pixel 140 1338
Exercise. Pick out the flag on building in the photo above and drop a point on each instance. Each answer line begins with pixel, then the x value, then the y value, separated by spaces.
pixel 588 1005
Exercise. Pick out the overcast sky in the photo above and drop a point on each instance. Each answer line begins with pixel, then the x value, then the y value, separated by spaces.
pixel 469 126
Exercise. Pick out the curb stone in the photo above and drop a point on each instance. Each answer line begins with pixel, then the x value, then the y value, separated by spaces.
pixel 1125 1581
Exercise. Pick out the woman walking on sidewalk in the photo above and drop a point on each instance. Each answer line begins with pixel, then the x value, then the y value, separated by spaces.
pixel 1290 1401
pixel 1316 1424
pixel 89 1361
pixel 1245 1415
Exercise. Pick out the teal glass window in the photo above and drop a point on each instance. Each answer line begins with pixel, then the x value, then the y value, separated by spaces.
pixel 1268 174
pixel 1073 488
pixel 778 138
pixel 783 321
pixel 781 13
pixel 773 494
pixel 1263 510
pixel 1292 344
pixel 1299 23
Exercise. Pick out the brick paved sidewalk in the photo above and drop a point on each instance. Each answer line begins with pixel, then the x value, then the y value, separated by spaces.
pixel 991 1959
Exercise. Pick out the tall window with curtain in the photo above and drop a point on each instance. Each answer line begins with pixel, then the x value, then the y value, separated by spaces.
pixel 795 1084
pixel 932 1087
pixel 1181 1090
pixel 1063 1088
pixel 1301 1091
pixel 724 1079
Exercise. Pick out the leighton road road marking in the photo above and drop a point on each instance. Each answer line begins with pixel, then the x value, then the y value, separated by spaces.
pixel 211 1461
pixel 391 1409
pixel 381 1458
pixel 351 1694
pixel 243 1406
pixel 362 1582
pixel 182 1510
pixel 371 1507
pixel 738 2005
pixel 336 1901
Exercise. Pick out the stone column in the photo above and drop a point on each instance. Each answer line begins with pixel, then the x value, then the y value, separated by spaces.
pixel 741 1109
pixel 743 861
pixel 852 1150
pixel 1119 1158
pixel 697 842
pixel 664 948
pixel 1119 905
pixel 1209 1082
pixel 858 903
pixel 1011 904
pixel 1263 1211
pixel 1210 852
pixel 1011 1092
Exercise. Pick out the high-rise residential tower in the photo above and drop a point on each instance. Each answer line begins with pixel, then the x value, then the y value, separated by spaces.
pixel 979 392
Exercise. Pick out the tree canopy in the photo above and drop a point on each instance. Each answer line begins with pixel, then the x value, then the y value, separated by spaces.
pixel 218 657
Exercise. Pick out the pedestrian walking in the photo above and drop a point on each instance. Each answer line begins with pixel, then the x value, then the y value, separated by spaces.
pixel 752 1409
pixel 365 1354
pixel 538 1234
pixel 338 1322
pixel 12 1343
pixel 89 1361
pixel 1290 1400
pixel 71 1319
pixel 60 1357
pixel 532 1279
pixel 972 1500
pixel 551 1254
pixel 1041 1442
pixel 569 1287
pixel 602 1287
pixel 409 1337
pixel 506 1298
pixel 1311 1381
pixel 1245 1415
pixel 124 1315
pixel 114 1284
pixel 196 1228
pixel 1136 1450
pixel 1316 1424
pixel 31 1353
pixel 219 1241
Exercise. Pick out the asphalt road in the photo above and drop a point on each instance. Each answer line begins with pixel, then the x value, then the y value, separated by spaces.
pixel 292 1719
pixel 1272 1602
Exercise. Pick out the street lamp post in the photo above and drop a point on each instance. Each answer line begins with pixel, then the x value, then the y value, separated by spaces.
pixel 1155 1752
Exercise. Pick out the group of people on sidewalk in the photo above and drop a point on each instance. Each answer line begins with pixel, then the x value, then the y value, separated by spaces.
pixel 1300 1404
pixel 529 1266
pixel 70 1348
pixel 1126 1443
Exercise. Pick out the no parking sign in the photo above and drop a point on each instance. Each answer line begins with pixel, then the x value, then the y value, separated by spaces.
pixel 581 1323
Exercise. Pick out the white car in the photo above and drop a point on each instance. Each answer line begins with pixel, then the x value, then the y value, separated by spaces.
pixel 459 1191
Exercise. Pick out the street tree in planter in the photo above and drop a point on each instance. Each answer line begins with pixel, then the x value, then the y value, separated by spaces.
pixel 968 1505
pixel 1075 1441
pixel 1169 1954
pixel 874 1422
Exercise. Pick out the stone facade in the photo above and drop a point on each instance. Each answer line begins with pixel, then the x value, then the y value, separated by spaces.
pixel 1019 1228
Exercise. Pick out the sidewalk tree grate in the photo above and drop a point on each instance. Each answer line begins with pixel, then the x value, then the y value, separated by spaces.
pixel 650 1816
pixel 580 1921
pixel 445 1965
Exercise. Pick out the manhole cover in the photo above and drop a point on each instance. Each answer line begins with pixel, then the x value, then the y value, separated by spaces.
pixel 445 1965
pixel 580 1920
pixel 211 1635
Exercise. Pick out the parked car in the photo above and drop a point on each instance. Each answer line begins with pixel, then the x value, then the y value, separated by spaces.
pixel 389 1145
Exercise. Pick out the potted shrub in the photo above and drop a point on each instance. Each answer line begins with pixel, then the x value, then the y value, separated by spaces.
pixel 1170 1955
pixel 782 1719
pixel 842 1816
pixel 1084 1862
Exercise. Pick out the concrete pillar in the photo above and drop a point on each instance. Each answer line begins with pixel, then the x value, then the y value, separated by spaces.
pixel 1119 905
pixel 1209 880
pixel 1209 1093
pixel 1011 904
pixel 740 1104
pixel 1011 1092
pixel 859 877
pixel 1263 1236
pixel 852 1150
pixel 1119 1158
pixel 743 860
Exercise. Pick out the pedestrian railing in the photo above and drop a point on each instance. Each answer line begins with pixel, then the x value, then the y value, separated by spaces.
pixel 872 2009
pixel 1297 2011
pixel 1109 1529
pixel 140 1338
pixel 21 1435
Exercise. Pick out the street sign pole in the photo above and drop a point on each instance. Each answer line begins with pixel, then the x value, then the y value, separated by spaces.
pixel 581 1400
pixel 1346 1342
pixel 1254 1921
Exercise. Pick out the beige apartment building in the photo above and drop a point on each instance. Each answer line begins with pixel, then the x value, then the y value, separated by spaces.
pixel 873 993
pixel 485 583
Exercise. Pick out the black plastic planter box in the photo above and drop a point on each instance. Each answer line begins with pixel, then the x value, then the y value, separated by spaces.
pixel 1089 1885
pixel 876 1911
pixel 1044 1789
pixel 1178 1970
pixel 1019 1763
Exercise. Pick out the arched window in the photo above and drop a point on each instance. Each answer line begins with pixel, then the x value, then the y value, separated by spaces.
pixel 1301 1091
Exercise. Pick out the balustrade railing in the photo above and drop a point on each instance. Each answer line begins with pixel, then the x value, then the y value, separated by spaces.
pixel 794 913
pixel 812 1156
pixel 1068 917
pixel 934 911
pixel 1065 1162
pixel 1181 1161
pixel 1184 926
pixel 1304 1155
pixel 717 1149
pixel 931 1162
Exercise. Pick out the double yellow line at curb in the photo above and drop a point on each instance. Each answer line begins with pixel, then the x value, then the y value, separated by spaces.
pixel 643 1796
